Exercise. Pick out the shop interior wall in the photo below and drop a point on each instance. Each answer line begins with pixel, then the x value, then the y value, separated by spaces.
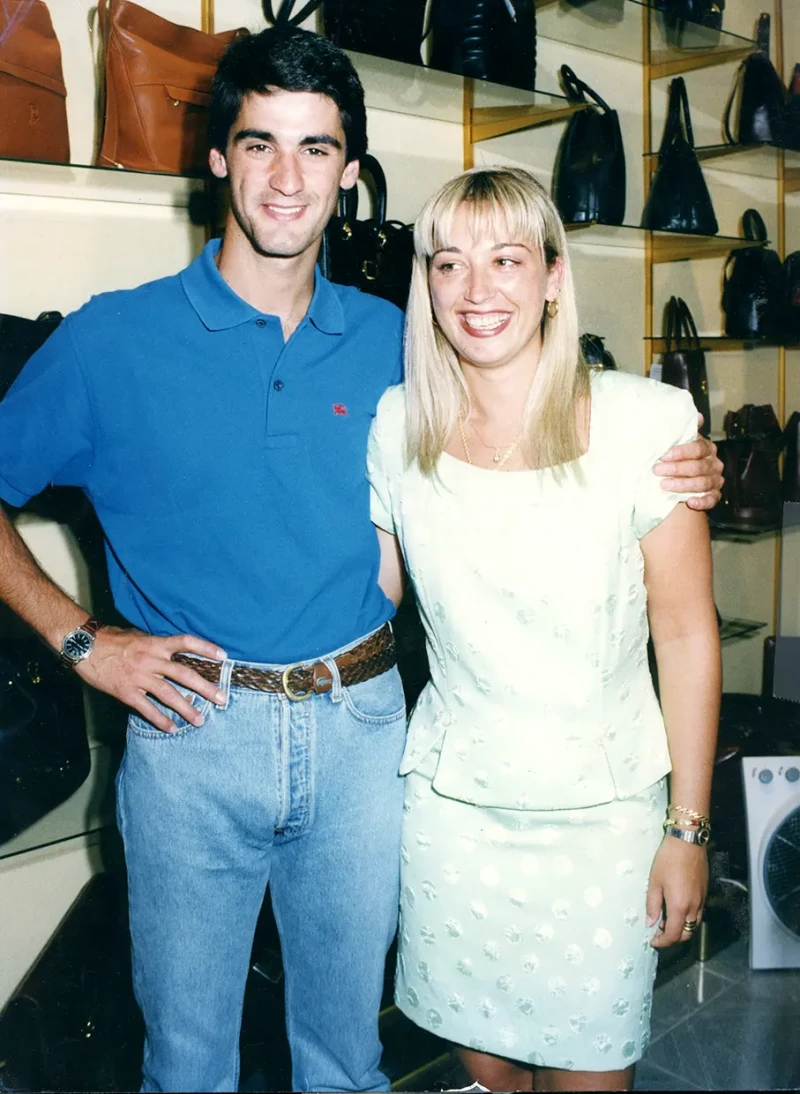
pixel 69 233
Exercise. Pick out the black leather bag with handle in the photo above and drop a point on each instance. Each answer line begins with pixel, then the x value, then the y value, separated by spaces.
pixel 753 286
pixel 684 362
pixel 374 255
pixel 763 100
pixel 790 320
pixel 385 28
pixel 44 751
pixel 789 131
pixel 595 354
pixel 589 180
pixel 682 16
pixel 19 339
pixel 487 39
pixel 679 200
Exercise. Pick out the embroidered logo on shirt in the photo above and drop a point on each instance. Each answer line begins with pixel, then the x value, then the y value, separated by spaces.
pixel 341 409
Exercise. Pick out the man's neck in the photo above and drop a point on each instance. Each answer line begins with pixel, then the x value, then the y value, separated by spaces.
pixel 275 286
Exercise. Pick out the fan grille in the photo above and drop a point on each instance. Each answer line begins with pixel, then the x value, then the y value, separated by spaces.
pixel 782 871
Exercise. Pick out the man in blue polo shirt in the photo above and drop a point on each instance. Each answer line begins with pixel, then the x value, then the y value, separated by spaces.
pixel 218 422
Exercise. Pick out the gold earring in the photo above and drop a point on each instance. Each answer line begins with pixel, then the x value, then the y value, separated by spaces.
pixel 552 308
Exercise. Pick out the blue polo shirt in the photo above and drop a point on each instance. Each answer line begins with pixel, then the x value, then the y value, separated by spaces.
pixel 227 468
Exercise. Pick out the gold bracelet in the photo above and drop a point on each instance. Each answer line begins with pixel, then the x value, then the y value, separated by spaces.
pixel 699 817
pixel 676 822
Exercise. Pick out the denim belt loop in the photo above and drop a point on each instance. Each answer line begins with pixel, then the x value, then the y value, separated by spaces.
pixel 336 687
pixel 225 682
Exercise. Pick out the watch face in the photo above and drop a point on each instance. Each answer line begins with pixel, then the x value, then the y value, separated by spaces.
pixel 77 645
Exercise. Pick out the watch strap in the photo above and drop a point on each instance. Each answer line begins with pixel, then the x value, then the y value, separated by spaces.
pixel 91 627
pixel 699 836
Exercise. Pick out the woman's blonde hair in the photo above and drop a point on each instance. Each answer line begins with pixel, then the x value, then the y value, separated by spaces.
pixel 510 204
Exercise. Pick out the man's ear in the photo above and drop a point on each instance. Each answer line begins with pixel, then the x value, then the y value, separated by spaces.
pixel 350 175
pixel 218 163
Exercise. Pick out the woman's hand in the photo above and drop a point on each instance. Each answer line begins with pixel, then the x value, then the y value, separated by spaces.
pixel 679 880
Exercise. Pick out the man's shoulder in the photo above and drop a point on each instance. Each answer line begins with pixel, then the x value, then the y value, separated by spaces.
pixel 361 307
pixel 108 314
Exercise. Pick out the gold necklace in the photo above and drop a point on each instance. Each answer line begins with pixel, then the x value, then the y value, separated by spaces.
pixel 492 447
pixel 498 460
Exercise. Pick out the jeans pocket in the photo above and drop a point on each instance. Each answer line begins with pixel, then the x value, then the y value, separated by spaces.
pixel 377 701
pixel 140 727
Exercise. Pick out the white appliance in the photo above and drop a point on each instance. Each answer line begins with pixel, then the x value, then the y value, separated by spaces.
pixel 772 797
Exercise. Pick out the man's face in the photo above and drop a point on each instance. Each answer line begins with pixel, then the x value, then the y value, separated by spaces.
pixel 285 160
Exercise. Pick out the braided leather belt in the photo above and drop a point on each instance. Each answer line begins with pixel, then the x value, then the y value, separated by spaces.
pixel 372 657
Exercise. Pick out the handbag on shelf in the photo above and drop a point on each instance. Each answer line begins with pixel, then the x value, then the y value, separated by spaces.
pixel 595 353
pixel 374 255
pixel 751 497
pixel 589 180
pixel 487 39
pixel 790 483
pixel 681 16
pixel 33 120
pixel 384 28
pixel 44 751
pixel 762 102
pixel 753 286
pixel 679 200
pixel 790 320
pixel 19 340
pixel 158 79
pixel 789 129
pixel 684 362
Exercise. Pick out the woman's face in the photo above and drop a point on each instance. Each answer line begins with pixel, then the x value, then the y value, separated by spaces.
pixel 489 295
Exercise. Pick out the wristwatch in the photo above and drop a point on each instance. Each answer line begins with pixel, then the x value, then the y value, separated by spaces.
pixel 700 835
pixel 78 644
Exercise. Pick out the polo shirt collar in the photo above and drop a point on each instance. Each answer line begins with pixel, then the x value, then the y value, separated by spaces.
pixel 220 308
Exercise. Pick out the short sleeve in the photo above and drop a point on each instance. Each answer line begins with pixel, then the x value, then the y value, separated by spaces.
pixel 667 420
pixel 46 423
pixel 384 456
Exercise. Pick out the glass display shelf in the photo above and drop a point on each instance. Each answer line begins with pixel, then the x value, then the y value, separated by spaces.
pixel 667 246
pixel 756 160
pixel 615 27
pixel 43 178
pixel 90 809
pixel 732 534
pixel 719 343
pixel 735 630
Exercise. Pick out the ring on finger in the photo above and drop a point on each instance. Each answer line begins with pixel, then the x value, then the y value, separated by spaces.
pixel 689 925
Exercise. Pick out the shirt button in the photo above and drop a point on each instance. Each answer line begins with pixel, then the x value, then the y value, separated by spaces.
pixel 261 322
pixel 278 385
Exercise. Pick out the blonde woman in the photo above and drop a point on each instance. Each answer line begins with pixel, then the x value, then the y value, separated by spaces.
pixel 539 880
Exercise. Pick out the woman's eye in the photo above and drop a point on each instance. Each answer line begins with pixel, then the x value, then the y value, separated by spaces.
pixel 507 263
pixel 446 267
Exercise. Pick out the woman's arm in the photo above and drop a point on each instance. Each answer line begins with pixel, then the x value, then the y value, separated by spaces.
pixel 683 625
pixel 391 576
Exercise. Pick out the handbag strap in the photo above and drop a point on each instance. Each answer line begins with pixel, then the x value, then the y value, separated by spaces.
pixel 753 226
pixel 284 17
pixel 686 325
pixel 348 199
pixel 762 33
pixel 577 90
pixel 726 121
pixel 680 330
pixel 679 120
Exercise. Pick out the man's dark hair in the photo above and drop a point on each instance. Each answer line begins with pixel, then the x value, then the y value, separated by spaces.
pixel 287 59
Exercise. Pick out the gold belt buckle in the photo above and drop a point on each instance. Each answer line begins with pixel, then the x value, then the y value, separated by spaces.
pixel 295 696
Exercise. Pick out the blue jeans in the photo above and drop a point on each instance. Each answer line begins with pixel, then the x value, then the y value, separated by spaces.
pixel 304 796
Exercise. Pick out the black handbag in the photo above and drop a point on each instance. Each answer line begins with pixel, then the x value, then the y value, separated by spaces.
pixel 763 98
pixel 44 751
pixel 374 255
pixel 589 182
pixel 680 17
pixel 595 353
pixel 487 39
pixel 19 339
pixel 789 130
pixel 679 200
pixel 751 496
pixel 753 286
pixel 790 320
pixel 385 28
pixel 684 362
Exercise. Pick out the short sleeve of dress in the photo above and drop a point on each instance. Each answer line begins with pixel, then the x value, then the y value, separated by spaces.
pixel 667 417
pixel 382 456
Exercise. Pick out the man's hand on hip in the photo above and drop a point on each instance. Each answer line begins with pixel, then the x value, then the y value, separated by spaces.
pixel 131 666
pixel 693 468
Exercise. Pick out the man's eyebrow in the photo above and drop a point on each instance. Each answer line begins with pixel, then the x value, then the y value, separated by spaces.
pixel 269 138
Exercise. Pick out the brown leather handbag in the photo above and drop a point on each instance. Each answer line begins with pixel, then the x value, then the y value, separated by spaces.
pixel 33 117
pixel 158 90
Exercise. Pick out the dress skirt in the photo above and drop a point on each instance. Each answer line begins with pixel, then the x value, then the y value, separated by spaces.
pixel 524 933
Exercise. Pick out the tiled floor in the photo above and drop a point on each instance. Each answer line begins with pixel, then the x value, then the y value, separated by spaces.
pixel 719 1026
